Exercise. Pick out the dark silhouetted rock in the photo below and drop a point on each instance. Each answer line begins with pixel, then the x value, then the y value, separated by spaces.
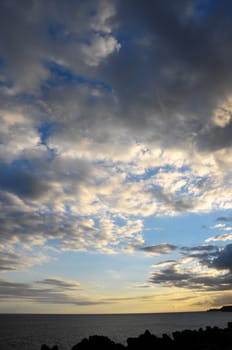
pixel 97 342
pixel 146 341
pixel 212 338
pixel 45 347
pixel 226 308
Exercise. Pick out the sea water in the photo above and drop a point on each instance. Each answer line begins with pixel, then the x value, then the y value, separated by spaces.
pixel 29 332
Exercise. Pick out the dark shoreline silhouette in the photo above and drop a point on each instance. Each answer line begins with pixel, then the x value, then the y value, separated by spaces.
pixel 211 338
pixel 227 308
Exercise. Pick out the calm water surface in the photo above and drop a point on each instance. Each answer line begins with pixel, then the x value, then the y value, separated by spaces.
pixel 29 332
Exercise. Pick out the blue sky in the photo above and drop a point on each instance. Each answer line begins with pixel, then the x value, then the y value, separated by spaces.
pixel 115 156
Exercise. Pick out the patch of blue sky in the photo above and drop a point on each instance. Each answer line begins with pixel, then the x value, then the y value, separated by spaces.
pixel 181 230
pixel 200 182
pixel 120 221
pixel 96 221
pixel 6 83
pixel 149 173
pixel 56 31
pixel 2 62
pixel 206 7
pixel 23 164
pixel 52 242
pixel 45 130
pixel 97 269
pixel 128 38
pixel 26 98
pixel 153 171
pixel 125 37
pixel 168 168
pixel 68 210
pixel 62 76
pixel 184 168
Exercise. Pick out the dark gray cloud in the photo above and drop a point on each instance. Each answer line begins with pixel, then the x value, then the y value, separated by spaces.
pixel 32 292
pixel 9 261
pixel 204 254
pixel 22 183
pixel 18 259
pixel 178 275
pixel 59 283
pixel 176 203
pixel 158 249
pixel 217 138
pixel 225 218
pixel 224 259
pixel 35 34
pixel 200 248
pixel 172 70
pixel 172 277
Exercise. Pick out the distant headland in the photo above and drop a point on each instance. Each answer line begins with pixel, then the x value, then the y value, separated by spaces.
pixel 225 308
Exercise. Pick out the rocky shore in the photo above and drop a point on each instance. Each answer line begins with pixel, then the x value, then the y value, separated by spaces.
pixel 211 338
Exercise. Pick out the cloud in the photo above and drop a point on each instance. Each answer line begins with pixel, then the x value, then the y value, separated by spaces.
pixel 13 260
pixel 111 112
pixel 171 277
pixel 143 285
pixel 22 183
pixel 9 261
pixel 64 284
pixel 166 41
pixel 224 259
pixel 164 263
pixel 204 268
pixel 19 135
pixel 224 218
pixel 33 292
pixel 43 33
pixel 160 39
pixel 219 226
pixel 223 237
pixel 58 291
pixel 159 249
pixel 220 300
pixel 99 48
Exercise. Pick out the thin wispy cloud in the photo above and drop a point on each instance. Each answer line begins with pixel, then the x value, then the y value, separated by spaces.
pixel 159 249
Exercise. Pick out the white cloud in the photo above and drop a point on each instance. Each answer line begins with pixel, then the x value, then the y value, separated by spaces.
pixel 220 226
pixel 224 237
pixel 99 48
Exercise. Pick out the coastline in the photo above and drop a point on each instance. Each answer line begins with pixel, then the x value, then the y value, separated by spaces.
pixel 211 338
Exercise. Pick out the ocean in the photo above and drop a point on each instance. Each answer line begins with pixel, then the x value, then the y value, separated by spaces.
pixel 29 332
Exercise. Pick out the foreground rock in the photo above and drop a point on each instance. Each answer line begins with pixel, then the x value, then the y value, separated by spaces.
pixel 45 347
pixel 97 342
pixel 208 339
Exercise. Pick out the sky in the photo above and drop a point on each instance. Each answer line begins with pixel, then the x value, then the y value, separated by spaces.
pixel 115 155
